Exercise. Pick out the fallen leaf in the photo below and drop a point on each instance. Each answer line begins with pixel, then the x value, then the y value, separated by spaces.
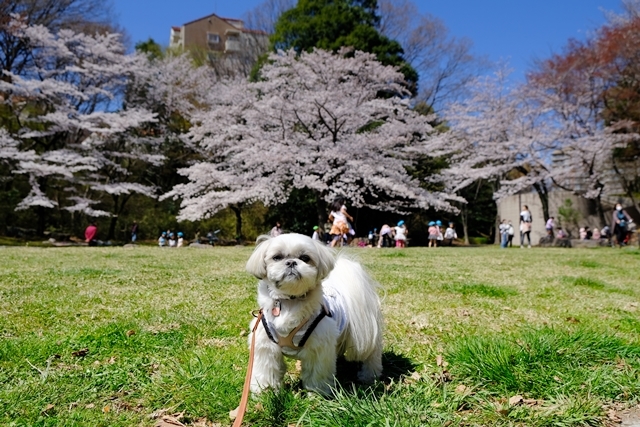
pixel 106 409
pixel 298 365
pixel 531 402
pixel 613 416
pixel 572 320
pixel 168 421
pixel 557 378
pixel 48 408
pixel 90 406
pixel 131 332
pixel 439 360
pixel 234 414
pixel 515 400
pixel 157 414
pixel 259 407
pixel 416 376
pixel 243 333
pixel 80 353
pixel 461 389
pixel 111 360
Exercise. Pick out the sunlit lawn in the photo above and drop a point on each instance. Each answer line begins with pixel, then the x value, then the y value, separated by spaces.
pixel 125 336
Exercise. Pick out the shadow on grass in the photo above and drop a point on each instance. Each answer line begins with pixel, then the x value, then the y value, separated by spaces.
pixel 394 366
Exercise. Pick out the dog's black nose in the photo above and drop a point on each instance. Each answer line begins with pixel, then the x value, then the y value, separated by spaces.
pixel 290 263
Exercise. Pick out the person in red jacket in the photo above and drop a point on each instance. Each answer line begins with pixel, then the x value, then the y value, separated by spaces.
pixel 90 234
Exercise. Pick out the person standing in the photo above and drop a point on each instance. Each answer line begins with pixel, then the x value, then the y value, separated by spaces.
pixel 90 234
pixel 525 225
pixel 341 225
pixel 401 235
pixel 433 234
pixel 134 232
pixel 504 233
pixel 619 223
pixel 450 234
pixel 440 237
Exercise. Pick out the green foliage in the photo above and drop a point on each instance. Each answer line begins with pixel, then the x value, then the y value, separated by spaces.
pixel 568 214
pixel 152 49
pixel 332 24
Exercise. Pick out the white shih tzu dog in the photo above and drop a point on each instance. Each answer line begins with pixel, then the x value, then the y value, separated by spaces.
pixel 315 306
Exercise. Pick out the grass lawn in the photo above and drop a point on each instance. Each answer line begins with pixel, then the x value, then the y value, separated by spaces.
pixel 474 336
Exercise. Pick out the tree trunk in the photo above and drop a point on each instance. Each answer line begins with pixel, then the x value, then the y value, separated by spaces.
pixel 465 229
pixel 600 210
pixel 237 209
pixel 543 193
pixel 41 213
pixel 114 218
pixel 321 209
pixel 112 227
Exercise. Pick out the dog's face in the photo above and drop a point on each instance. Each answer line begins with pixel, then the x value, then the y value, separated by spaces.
pixel 292 264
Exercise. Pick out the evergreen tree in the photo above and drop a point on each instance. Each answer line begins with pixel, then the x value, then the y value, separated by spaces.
pixel 332 24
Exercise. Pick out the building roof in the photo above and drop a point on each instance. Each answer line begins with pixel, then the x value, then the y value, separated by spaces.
pixel 227 20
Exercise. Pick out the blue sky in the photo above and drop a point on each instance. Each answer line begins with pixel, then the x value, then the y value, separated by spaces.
pixel 513 30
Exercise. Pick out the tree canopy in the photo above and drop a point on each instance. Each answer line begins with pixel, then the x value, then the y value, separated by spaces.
pixel 332 24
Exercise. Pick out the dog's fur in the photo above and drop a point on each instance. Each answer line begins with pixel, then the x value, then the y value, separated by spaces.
pixel 294 265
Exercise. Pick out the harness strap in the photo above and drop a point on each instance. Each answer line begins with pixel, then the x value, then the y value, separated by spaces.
pixel 313 325
pixel 288 340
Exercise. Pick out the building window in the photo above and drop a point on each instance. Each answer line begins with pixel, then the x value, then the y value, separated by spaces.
pixel 213 38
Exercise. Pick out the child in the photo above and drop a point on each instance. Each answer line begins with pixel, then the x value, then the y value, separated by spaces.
pixel 316 233
pixel 180 239
pixel 450 234
pixel 433 234
pixel 401 235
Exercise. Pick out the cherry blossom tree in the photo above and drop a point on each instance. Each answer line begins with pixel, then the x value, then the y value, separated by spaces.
pixel 573 88
pixel 230 171
pixel 494 137
pixel 66 131
pixel 335 124
pixel 323 117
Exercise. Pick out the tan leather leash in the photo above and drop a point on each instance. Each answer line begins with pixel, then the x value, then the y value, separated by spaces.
pixel 247 380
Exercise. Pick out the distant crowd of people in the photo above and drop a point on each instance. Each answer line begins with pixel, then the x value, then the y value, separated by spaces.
pixel 620 228
pixel 338 231
pixel 170 239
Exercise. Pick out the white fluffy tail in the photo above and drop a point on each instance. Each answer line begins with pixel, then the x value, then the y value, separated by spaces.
pixel 363 334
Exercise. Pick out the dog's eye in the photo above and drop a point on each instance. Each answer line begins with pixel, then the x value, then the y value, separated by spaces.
pixel 277 258
pixel 304 258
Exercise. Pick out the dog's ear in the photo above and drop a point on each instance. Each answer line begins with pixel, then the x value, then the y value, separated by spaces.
pixel 326 260
pixel 256 264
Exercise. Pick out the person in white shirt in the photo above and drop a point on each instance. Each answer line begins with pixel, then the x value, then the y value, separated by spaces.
pixel 450 234
pixel 401 235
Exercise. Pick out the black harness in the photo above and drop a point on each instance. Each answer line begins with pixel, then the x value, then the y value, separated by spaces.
pixel 288 340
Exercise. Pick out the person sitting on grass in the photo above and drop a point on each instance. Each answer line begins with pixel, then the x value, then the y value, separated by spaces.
pixel 90 234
